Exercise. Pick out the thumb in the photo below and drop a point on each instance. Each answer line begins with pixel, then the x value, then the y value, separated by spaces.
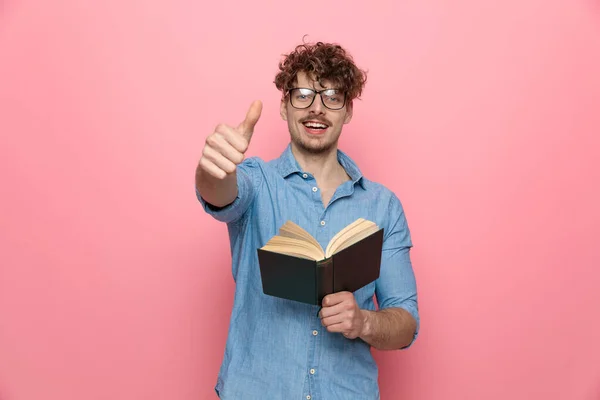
pixel 246 128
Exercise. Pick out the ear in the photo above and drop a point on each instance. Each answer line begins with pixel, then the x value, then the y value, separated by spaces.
pixel 349 112
pixel 283 109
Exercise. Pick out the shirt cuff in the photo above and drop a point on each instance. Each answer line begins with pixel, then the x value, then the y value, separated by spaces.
pixel 237 208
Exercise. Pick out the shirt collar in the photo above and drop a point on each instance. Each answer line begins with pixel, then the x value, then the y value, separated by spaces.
pixel 287 165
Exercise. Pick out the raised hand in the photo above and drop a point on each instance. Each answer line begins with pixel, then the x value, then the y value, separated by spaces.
pixel 225 147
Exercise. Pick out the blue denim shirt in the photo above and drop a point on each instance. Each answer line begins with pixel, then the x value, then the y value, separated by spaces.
pixel 276 348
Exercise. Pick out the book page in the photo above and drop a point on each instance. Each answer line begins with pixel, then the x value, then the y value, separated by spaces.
pixel 351 234
pixel 294 247
pixel 355 238
pixel 337 236
pixel 292 230
pixel 343 232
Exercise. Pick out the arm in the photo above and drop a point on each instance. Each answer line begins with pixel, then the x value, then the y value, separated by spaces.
pixel 218 192
pixel 216 179
pixel 388 329
pixel 396 324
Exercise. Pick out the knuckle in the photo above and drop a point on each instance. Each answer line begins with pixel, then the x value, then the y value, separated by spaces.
pixel 244 145
pixel 211 140
pixel 230 169
pixel 204 164
pixel 219 173
pixel 238 158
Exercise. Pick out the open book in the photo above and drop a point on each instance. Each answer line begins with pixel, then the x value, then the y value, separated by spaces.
pixel 295 241
pixel 293 265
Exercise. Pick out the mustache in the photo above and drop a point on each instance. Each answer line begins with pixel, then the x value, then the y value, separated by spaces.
pixel 316 119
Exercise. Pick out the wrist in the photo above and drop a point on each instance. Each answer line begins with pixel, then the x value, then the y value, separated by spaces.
pixel 366 323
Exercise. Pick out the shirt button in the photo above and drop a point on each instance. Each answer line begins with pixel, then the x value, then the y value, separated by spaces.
pixel 315 189
pixel 308 397
pixel 312 371
pixel 315 333
pixel 322 223
pixel 305 176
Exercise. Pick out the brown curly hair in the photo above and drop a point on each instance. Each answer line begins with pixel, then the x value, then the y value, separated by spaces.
pixel 324 61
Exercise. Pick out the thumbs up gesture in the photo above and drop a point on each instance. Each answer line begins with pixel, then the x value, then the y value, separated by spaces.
pixel 226 146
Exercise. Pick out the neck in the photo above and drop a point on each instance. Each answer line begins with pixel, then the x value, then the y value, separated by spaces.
pixel 323 166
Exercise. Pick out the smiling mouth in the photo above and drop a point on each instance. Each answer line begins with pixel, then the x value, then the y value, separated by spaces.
pixel 315 126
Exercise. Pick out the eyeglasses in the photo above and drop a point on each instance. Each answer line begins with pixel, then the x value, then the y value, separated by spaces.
pixel 304 97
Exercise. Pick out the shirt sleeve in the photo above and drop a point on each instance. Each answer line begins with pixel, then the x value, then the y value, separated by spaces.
pixel 396 286
pixel 249 176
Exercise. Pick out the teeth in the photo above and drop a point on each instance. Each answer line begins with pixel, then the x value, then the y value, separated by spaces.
pixel 315 125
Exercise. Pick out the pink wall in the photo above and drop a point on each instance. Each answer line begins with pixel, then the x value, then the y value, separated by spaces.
pixel 482 115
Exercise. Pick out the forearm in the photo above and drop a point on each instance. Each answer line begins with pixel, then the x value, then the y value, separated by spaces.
pixel 388 329
pixel 217 192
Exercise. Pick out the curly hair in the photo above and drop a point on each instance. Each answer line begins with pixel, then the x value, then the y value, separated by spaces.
pixel 323 61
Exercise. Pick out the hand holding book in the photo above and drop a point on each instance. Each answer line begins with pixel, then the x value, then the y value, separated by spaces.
pixel 340 313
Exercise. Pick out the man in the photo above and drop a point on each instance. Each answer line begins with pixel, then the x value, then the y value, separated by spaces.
pixel 281 349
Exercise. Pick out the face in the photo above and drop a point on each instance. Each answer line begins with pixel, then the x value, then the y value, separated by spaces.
pixel 315 129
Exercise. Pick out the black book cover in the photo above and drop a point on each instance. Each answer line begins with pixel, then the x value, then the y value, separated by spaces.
pixel 308 281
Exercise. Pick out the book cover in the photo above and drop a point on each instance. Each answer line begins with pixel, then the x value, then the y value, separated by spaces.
pixel 305 280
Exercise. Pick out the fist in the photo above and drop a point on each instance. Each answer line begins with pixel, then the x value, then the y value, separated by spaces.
pixel 225 147
pixel 340 313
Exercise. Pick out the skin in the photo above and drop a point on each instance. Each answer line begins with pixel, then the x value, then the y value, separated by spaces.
pixel 316 152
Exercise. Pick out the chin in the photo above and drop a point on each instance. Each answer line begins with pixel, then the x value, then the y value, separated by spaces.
pixel 314 146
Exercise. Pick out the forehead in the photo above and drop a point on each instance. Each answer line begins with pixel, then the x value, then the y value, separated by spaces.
pixel 308 81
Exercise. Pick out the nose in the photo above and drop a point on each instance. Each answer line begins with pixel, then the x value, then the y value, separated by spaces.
pixel 317 105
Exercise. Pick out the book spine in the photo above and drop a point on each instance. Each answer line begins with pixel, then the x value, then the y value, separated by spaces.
pixel 324 279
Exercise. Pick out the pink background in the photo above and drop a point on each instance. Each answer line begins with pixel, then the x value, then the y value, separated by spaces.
pixel 481 115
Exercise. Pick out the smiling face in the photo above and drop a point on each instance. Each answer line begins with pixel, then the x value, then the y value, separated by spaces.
pixel 315 129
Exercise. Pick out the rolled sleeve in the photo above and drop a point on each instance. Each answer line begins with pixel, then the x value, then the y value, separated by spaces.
pixel 396 286
pixel 248 179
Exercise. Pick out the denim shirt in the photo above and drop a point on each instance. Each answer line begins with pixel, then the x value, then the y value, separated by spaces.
pixel 277 348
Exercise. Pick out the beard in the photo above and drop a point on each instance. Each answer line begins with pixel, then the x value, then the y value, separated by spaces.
pixel 314 146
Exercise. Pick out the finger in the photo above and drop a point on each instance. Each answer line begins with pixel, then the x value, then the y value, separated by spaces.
pixel 344 307
pixel 219 160
pixel 336 298
pixel 221 145
pixel 334 319
pixel 246 128
pixel 212 169
pixel 233 137
pixel 343 328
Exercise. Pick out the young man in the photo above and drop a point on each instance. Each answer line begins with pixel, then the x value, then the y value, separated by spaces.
pixel 281 349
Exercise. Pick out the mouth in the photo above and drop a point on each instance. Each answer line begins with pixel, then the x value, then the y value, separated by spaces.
pixel 315 127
